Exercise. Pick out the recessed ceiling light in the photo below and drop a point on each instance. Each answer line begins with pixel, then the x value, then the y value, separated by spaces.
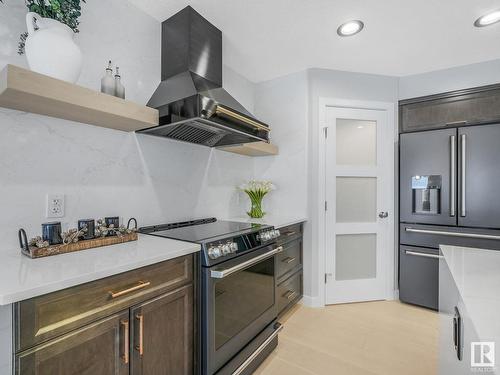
pixel 350 28
pixel 488 19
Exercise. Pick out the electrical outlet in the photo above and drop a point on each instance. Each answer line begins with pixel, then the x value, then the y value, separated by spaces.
pixel 55 205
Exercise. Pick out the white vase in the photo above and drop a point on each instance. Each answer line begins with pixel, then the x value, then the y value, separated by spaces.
pixel 51 50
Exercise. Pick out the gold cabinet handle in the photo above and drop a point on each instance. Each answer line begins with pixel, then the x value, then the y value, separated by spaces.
pixel 290 295
pixel 289 260
pixel 140 347
pixel 140 285
pixel 126 335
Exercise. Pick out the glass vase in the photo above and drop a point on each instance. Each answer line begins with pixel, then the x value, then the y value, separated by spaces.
pixel 256 208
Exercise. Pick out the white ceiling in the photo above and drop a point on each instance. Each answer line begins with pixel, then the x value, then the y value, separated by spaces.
pixel 264 39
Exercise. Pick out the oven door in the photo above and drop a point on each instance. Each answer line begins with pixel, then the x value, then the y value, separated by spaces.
pixel 238 302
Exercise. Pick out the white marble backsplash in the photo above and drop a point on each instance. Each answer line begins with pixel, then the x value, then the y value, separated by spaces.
pixel 104 172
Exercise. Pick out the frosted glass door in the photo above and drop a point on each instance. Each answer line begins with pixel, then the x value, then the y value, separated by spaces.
pixel 356 159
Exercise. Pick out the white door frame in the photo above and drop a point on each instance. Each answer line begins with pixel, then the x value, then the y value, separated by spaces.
pixel 321 217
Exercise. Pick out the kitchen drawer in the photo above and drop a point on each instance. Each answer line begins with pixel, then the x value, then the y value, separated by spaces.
pixel 42 318
pixel 290 259
pixel 433 236
pixel 290 233
pixel 419 276
pixel 289 292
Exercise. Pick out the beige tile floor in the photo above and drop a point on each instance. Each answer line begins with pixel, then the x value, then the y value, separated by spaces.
pixel 372 338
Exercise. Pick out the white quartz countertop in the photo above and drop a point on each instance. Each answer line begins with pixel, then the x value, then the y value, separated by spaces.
pixel 22 278
pixel 275 220
pixel 476 273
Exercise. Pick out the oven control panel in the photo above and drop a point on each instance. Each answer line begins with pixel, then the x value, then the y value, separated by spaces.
pixel 222 249
pixel 231 247
pixel 268 235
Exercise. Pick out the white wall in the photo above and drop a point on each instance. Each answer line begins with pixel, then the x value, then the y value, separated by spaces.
pixel 462 77
pixel 283 103
pixel 105 172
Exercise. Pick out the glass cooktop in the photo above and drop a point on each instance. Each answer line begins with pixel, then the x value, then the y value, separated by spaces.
pixel 201 231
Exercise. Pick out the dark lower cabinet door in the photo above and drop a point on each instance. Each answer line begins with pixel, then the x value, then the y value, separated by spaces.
pixel 98 349
pixel 162 336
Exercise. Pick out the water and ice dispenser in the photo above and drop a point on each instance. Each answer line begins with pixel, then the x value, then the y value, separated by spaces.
pixel 426 194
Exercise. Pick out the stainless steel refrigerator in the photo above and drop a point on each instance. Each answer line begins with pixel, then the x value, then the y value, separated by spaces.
pixel 449 194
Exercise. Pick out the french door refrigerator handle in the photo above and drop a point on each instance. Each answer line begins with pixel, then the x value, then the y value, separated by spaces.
pixel 453 168
pixel 463 144
pixel 454 234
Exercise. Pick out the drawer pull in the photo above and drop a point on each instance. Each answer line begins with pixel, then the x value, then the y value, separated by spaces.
pixel 126 335
pixel 140 285
pixel 290 295
pixel 425 255
pixel 289 260
pixel 291 233
pixel 140 347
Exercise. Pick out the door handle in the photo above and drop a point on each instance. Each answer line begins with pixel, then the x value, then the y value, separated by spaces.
pixel 453 167
pixel 383 214
pixel 126 335
pixel 463 143
pixel 457 333
pixel 140 346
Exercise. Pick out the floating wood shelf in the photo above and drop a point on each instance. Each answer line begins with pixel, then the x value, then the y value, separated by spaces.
pixel 28 91
pixel 253 149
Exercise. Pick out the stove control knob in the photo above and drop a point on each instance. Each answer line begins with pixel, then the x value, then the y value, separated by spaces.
pixel 214 252
pixel 226 249
pixel 278 233
pixel 265 236
pixel 234 247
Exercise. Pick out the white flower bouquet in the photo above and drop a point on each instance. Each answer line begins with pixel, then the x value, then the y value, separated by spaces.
pixel 256 190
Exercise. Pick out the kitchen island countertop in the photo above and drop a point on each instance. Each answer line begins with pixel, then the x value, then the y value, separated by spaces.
pixel 23 278
pixel 476 273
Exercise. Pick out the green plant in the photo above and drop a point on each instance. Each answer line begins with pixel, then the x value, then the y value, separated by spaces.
pixel 65 11
pixel 256 190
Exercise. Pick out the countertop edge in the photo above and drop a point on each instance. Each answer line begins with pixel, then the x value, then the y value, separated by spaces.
pixel 13 297
pixel 274 221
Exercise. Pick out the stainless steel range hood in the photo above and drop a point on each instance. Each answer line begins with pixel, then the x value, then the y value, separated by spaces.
pixel 192 103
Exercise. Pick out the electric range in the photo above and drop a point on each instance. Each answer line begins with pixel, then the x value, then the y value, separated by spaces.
pixel 237 291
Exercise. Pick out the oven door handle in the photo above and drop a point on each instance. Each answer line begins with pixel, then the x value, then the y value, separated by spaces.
pixel 220 274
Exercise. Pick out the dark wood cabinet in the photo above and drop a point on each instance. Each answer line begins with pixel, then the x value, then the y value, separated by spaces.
pixel 97 349
pixel 152 334
pixel 480 105
pixel 289 287
pixel 162 338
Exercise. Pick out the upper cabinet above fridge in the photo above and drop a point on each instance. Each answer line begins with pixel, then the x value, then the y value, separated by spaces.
pixel 451 177
pixel 473 106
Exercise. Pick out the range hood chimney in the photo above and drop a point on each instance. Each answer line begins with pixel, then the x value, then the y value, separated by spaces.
pixel 193 105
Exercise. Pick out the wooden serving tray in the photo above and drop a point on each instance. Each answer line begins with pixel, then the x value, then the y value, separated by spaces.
pixel 36 252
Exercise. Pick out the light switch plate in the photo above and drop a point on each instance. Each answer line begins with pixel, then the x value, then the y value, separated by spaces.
pixel 55 205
